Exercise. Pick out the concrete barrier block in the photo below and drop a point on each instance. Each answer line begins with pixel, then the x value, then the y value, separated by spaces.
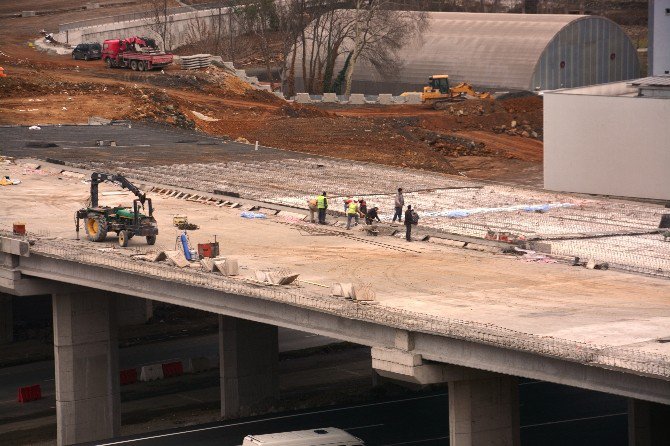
pixel 303 98
pixel 385 99
pixel 227 267
pixel 357 99
pixel 414 98
pixel 151 372
pixel 342 290
pixel 329 97
pixel 364 293
pixel 207 264
pixel 178 258
pixel 399 99
pixel 276 277
pixel 28 13
pixel 279 94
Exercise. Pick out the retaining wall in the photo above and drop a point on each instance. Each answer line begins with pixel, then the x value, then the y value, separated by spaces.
pixel 139 24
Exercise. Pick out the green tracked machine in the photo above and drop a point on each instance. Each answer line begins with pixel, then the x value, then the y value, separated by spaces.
pixel 125 221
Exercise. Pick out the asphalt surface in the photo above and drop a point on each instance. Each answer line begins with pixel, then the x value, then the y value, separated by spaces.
pixel 143 144
pixel 11 378
pixel 551 415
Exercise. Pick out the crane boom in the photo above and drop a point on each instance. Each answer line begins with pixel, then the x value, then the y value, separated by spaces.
pixel 120 180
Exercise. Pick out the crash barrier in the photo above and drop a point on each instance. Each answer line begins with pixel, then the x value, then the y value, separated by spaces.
pixel 171 369
pixel 128 376
pixel 357 99
pixel 29 393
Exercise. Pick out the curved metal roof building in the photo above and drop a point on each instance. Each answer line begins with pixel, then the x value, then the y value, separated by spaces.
pixel 509 51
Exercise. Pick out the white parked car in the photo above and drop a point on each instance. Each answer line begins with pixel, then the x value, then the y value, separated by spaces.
pixel 327 436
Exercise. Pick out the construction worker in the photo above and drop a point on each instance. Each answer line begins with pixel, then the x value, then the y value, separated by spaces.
pixel 371 215
pixel 399 203
pixel 362 207
pixel 409 220
pixel 346 201
pixel 2 72
pixel 313 209
pixel 322 205
pixel 352 212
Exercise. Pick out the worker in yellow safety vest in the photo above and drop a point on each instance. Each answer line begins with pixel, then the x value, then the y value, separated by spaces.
pixel 352 212
pixel 322 205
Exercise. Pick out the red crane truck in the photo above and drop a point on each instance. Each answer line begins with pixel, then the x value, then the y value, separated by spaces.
pixel 136 53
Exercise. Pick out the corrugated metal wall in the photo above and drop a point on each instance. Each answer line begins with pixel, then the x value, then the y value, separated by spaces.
pixel 506 51
pixel 591 50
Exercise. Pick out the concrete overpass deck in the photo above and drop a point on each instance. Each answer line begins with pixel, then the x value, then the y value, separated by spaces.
pixel 602 330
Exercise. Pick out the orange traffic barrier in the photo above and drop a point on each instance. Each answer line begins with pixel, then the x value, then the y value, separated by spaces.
pixel 128 376
pixel 173 369
pixel 30 393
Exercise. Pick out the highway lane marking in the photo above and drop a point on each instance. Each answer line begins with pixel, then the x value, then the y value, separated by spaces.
pixel 576 419
pixel 242 423
pixel 186 397
pixel 362 427
pixel 417 441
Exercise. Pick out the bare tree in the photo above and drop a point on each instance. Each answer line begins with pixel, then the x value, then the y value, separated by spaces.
pixel 379 33
pixel 160 22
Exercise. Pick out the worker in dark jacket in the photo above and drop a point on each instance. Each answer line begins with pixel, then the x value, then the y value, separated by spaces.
pixel 409 219
pixel 371 215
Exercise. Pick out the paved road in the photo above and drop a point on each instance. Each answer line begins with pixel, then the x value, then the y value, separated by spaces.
pixel 11 378
pixel 550 415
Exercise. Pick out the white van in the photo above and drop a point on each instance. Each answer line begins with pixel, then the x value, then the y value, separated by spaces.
pixel 327 436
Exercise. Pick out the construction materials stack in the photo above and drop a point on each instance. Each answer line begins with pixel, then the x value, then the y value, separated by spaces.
pixel 195 61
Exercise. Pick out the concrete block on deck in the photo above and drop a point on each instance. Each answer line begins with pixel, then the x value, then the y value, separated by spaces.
pixel 357 99
pixel 178 258
pixel 345 290
pixel 227 267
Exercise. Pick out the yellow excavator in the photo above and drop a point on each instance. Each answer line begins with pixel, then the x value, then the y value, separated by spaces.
pixel 440 94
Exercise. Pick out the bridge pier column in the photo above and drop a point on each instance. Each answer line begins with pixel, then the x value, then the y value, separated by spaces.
pixel 6 319
pixel 87 367
pixel 648 423
pixel 249 362
pixel 133 310
pixel 484 411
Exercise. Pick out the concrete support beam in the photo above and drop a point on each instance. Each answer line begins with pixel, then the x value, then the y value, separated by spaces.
pixel 409 367
pixel 6 319
pixel 87 367
pixel 133 310
pixel 249 362
pixel 648 423
pixel 484 411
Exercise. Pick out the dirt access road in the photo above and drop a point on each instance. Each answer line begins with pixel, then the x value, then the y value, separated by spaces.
pixel 43 88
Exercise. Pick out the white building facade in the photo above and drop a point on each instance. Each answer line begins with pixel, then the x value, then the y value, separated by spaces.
pixel 610 139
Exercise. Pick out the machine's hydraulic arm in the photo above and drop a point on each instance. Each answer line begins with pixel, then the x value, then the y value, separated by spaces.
pixel 97 178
